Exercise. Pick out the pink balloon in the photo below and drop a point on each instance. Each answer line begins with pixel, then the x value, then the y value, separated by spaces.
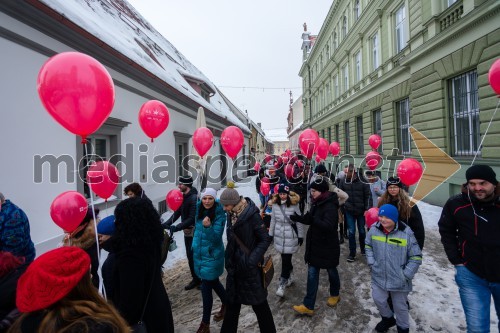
pixel 334 148
pixel 265 180
pixel 373 159
pixel 77 91
pixel 103 178
pixel 256 166
pixel 68 210
pixel 317 159
pixel 494 76
pixel 276 188
pixel 289 170
pixel 153 118
pixel 285 159
pixel 409 171
pixel 323 146
pixel 265 188
pixel 371 217
pixel 231 140
pixel 374 141
pixel 202 140
pixel 308 142
pixel 267 158
pixel 174 199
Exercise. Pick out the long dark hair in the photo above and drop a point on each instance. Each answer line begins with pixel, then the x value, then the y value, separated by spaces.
pixel 137 224
pixel 202 212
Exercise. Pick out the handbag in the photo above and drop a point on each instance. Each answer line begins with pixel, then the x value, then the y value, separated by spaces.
pixel 293 224
pixel 267 268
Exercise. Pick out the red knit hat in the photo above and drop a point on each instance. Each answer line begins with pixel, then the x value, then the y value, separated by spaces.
pixel 51 277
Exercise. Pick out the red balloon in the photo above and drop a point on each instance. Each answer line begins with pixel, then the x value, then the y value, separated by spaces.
pixel 154 118
pixel 276 188
pixel 77 91
pixel 256 166
pixel 265 180
pixel 373 159
pixel 289 170
pixel 285 159
pixel 409 171
pixel 317 159
pixel 494 76
pixel 334 148
pixel 68 210
pixel 231 140
pixel 203 140
pixel 374 141
pixel 322 148
pixel 174 199
pixel 371 217
pixel 103 178
pixel 265 188
pixel 308 142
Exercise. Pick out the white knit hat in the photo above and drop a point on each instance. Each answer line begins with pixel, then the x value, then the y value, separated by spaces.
pixel 209 191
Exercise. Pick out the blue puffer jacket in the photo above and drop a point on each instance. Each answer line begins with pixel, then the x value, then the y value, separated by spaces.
pixel 208 248
pixel 394 258
pixel 15 232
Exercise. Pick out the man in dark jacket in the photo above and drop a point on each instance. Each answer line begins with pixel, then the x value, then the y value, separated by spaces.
pixel 470 233
pixel 247 242
pixel 357 204
pixel 187 212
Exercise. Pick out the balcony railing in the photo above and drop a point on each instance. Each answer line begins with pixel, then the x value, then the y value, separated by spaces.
pixel 451 15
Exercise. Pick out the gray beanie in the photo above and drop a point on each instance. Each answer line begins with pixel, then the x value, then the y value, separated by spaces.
pixel 229 197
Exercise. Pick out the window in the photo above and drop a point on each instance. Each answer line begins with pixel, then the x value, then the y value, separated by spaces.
pixel 327 52
pixel 375 51
pixel 96 149
pixel 336 88
pixel 347 138
pixel 357 59
pixel 377 126
pixel 335 40
pixel 337 133
pixel 463 101
pixel 451 2
pixel 345 71
pixel 344 27
pixel 323 133
pixel 357 10
pixel 400 29
pixel 359 132
pixel 327 94
pixel 403 114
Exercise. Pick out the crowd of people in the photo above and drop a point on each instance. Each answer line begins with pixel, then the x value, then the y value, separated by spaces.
pixel 59 290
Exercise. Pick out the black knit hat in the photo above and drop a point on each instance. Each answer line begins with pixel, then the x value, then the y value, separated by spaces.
pixel 483 172
pixel 394 181
pixel 320 184
pixel 186 180
pixel 320 168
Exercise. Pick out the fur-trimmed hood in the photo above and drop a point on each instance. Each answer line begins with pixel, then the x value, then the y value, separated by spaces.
pixel 84 240
pixel 294 198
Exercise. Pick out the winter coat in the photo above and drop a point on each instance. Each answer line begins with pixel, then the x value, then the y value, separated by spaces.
pixel 322 240
pixel 286 240
pixel 15 232
pixel 377 188
pixel 341 195
pixel 187 212
pixel 394 258
pixel 244 277
pixel 359 196
pixel 470 240
pixel 208 247
pixel 415 222
pixel 136 270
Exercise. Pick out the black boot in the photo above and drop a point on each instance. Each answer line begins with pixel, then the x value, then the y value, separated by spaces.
pixel 403 330
pixel 193 284
pixel 385 324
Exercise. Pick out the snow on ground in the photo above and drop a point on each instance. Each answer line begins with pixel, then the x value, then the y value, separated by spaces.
pixel 435 302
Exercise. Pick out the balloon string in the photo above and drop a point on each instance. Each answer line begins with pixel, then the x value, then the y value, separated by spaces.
pixel 95 226
pixel 484 136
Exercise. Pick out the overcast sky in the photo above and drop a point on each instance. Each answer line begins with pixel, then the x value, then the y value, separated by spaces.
pixel 242 44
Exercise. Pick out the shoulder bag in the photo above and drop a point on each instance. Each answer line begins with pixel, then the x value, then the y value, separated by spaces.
pixel 267 267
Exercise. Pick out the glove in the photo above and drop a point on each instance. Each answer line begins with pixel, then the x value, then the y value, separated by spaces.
pixel 296 218
pixel 301 241
pixel 173 229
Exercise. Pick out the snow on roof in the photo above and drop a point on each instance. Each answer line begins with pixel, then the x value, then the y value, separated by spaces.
pixel 296 128
pixel 277 134
pixel 119 25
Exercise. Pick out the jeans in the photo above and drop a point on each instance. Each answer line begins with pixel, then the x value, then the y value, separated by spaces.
pixel 475 294
pixel 188 241
pixel 313 282
pixel 262 199
pixel 352 221
pixel 286 265
pixel 262 311
pixel 208 301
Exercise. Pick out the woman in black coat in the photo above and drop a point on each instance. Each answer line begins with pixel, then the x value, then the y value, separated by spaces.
pixel 137 268
pixel 247 242
pixel 322 244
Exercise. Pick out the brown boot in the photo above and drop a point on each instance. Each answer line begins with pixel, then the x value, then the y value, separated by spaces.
pixel 204 328
pixel 220 315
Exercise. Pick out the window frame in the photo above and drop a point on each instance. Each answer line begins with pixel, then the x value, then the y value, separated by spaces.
pixel 403 127
pixel 345 73
pixel 377 125
pixel 347 137
pixel 357 67
pixel 400 33
pixel 374 42
pixel 359 135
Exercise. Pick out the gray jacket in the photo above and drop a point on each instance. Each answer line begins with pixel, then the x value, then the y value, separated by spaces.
pixel 285 238
pixel 393 258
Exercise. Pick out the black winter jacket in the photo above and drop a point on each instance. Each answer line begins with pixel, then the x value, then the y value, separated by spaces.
pixel 244 278
pixel 322 240
pixel 360 199
pixel 187 212
pixel 470 240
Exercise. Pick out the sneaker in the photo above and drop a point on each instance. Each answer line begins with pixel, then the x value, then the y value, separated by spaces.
pixel 303 310
pixel 281 290
pixel 332 301
pixel 289 281
pixel 351 258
